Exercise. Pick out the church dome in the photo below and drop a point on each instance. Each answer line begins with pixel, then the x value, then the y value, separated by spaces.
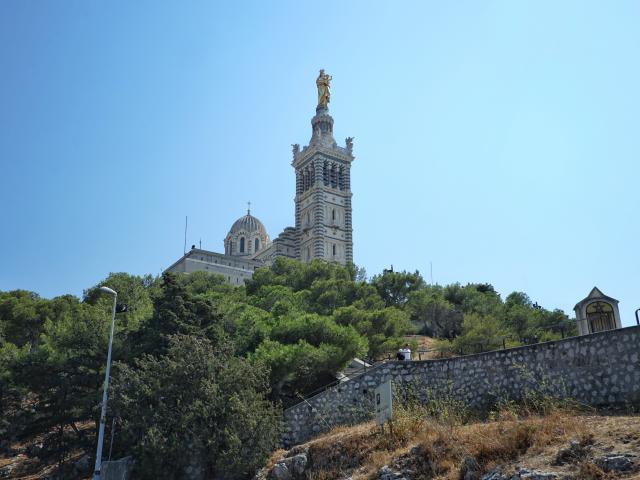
pixel 246 237
pixel 248 224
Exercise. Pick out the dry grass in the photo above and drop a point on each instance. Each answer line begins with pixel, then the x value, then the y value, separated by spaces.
pixel 443 446
pixel 275 458
pixel 437 447
pixel 590 471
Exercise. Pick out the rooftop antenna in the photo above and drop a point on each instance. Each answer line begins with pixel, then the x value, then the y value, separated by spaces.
pixel 249 208
pixel 184 250
pixel 200 244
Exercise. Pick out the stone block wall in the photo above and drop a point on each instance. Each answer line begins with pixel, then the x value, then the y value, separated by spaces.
pixel 602 369
pixel 117 469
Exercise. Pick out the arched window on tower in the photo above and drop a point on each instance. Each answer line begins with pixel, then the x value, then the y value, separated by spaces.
pixel 308 253
pixel 256 245
pixel 341 177
pixel 333 214
pixel 334 175
pixel 325 174
pixel 334 249
pixel 241 244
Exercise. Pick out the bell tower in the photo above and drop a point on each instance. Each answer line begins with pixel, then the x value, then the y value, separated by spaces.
pixel 323 188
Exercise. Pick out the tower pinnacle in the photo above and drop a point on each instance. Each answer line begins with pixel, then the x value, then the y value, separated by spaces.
pixel 322 122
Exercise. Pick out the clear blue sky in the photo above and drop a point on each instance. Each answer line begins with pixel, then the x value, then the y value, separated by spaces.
pixel 498 140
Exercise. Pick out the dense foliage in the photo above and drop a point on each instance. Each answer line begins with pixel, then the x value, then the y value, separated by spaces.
pixel 202 367
pixel 196 407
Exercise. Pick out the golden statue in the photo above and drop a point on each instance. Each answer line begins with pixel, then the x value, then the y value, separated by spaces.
pixel 324 89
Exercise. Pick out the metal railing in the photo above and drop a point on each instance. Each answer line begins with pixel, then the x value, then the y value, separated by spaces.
pixel 304 398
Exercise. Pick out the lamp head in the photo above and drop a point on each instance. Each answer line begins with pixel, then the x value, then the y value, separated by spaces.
pixel 108 290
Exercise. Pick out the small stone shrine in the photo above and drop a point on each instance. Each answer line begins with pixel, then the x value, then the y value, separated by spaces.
pixel 597 313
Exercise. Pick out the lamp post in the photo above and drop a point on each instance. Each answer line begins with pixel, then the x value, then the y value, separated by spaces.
pixel 103 415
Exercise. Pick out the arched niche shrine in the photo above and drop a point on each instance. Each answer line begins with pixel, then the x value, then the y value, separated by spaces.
pixel 597 313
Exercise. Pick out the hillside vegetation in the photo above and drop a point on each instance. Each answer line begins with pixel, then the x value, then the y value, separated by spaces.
pixel 203 368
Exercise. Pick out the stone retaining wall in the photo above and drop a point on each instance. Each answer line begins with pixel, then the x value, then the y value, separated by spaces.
pixel 599 369
pixel 117 469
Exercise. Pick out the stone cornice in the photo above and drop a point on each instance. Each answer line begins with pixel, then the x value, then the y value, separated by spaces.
pixel 337 153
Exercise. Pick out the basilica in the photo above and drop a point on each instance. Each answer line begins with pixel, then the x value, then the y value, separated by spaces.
pixel 322 210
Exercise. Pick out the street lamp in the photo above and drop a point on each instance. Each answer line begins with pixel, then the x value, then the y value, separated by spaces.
pixel 103 415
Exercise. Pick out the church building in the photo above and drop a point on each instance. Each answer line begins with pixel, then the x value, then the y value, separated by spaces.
pixel 322 210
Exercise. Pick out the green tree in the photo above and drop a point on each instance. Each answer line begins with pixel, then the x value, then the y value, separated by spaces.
pixel 247 325
pixel 134 291
pixel 518 319
pixel 434 315
pixel 318 330
pixel 384 328
pixel 395 287
pixel 277 299
pixel 299 368
pixel 21 317
pixel 176 311
pixel 204 282
pixel 304 352
pixel 517 298
pixel 325 295
pixel 551 325
pixel 480 333
pixel 63 375
pixel 198 404
pixel 297 275
pixel 10 392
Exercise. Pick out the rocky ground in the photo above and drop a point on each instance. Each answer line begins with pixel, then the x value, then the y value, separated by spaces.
pixel 560 446
pixel 36 458
pixel 23 466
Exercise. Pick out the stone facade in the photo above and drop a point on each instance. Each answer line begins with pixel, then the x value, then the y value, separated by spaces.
pixel 323 217
pixel 597 369
pixel 323 194
pixel 234 269
pixel 283 246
